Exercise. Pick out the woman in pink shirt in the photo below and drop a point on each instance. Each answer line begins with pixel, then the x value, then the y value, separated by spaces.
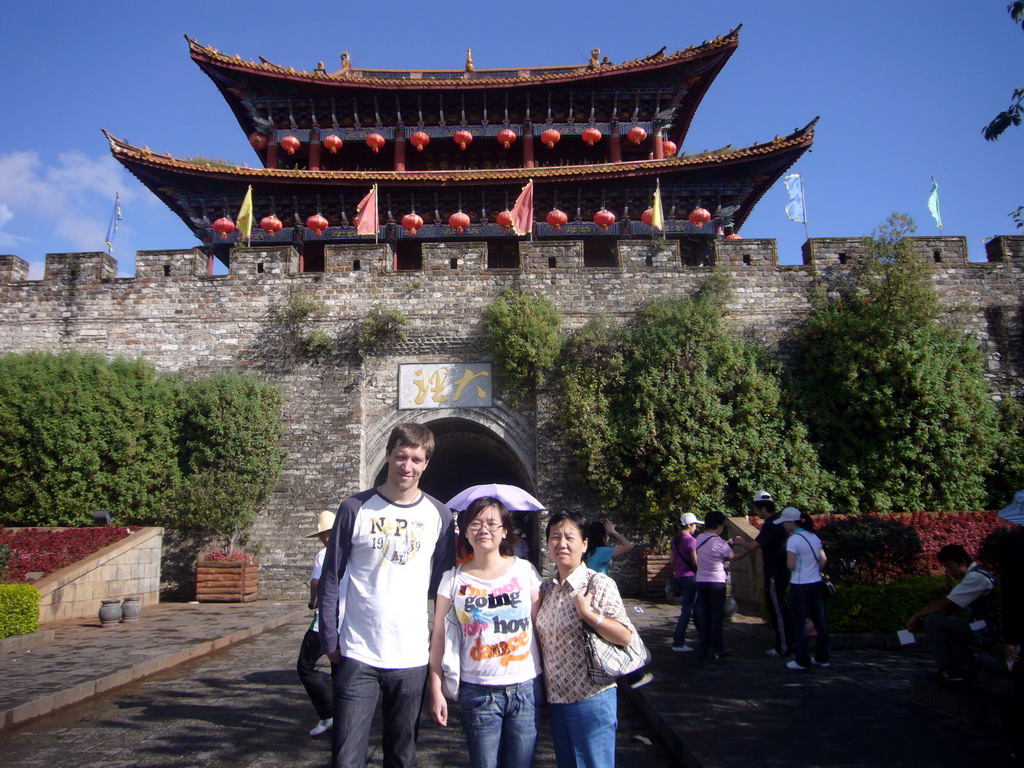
pixel 713 552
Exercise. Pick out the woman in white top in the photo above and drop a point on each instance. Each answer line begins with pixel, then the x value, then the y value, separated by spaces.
pixel 496 596
pixel 805 558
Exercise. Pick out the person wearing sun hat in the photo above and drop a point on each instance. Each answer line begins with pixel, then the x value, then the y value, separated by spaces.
pixel 805 558
pixel 317 684
pixel 684 576
pixel 772 543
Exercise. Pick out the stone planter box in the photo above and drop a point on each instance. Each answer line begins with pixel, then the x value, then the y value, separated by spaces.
pixel 226 581
pixel 655 574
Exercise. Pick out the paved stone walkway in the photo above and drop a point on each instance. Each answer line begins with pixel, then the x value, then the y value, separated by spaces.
pixel 237 708
pixel 183 702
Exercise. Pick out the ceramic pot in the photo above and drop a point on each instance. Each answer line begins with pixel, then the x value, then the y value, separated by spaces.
pixel 131 609
pixel 110 613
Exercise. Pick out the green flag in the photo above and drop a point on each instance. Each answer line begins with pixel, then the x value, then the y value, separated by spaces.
pixel 933 203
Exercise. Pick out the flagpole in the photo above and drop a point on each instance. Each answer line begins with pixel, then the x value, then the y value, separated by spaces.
pixel 531 213
pixel 376 217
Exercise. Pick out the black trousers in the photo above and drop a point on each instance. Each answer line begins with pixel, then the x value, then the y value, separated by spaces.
pixel 317 684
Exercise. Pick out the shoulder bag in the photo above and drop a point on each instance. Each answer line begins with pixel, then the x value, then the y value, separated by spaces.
pixel 607 661
pixel 451 658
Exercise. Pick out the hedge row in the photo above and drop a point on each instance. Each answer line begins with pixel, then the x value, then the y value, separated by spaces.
pixel 881 607
pixel 19 609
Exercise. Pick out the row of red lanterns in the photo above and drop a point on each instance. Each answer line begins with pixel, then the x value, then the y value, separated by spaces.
pixel 463 138
pixel 459 221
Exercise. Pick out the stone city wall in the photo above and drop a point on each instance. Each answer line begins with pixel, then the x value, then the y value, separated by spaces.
pixel 181 319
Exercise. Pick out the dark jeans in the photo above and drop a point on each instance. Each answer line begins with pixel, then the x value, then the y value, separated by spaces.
pixel 950 640
pixel 317 684
pixel 710 616
pixel 779 615
pixel 687 586
pixel 809 603
pixel 356 688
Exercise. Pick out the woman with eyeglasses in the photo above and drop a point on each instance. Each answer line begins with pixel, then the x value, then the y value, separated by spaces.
pixel 495 596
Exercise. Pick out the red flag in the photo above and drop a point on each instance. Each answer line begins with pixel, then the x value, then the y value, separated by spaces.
pixel 366 220
pixel 522 211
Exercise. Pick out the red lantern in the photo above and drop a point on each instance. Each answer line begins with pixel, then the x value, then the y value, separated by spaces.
pixel 317 223
pixel 550 137
pixel 591 136
pixel 458 221
pixel 289 144
pixel 557 218
pixel 271 224
pixel 375 141
pixel 506 137
pixel 258 140
pixel 224 227
pixel 463 138
pixel 733 236
pixel 647 216
pixel 604 219
pixel 669 148
pixel 636 134
pixel 412 222
pixel 699 217
pixel 419 139
pixel 505 219
pixel 333 143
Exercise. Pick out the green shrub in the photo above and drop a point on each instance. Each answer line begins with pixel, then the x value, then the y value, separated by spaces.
pixel 881 607
pixel 19 609
pixel 522 333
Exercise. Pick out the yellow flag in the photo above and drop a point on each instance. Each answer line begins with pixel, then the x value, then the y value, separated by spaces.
pixel 245 217
pixel 658 214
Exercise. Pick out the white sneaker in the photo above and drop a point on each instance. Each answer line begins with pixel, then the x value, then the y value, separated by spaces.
pixel 795 666
pixel 771 653
pixel 681 648
pixel 817 663
pixel 322 727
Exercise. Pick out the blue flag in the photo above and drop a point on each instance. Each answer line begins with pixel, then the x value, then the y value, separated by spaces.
pixel 795 207
pixel 112 229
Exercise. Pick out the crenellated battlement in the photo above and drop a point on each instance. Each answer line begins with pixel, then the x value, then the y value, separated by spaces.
pixel 439 260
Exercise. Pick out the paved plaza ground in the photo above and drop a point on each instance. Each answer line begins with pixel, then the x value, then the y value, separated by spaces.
pixel 243 706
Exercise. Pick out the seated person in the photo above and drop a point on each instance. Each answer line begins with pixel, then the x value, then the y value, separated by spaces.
pixel 951 639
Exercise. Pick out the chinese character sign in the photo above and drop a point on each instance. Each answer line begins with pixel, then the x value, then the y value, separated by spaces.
pixel 445 385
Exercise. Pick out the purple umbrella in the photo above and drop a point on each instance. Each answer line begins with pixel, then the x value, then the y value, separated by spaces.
pixel 512 496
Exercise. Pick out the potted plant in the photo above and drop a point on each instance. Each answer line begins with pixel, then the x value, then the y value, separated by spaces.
pixel 223 577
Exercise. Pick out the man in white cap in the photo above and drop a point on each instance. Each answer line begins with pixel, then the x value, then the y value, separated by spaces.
pixel 317 684
pixel 772 543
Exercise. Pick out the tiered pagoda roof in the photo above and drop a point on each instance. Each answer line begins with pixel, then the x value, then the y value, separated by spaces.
pixel 324 138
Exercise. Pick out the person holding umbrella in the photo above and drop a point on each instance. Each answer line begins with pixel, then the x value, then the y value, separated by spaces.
pixel 495 596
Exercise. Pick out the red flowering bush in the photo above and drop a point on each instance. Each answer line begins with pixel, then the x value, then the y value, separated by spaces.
pixel 47 550
pixel 222 555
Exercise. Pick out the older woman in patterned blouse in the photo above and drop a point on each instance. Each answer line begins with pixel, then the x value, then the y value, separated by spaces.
pixel 583 713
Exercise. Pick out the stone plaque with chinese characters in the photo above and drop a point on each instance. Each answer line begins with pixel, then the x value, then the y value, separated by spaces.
pixel 445 385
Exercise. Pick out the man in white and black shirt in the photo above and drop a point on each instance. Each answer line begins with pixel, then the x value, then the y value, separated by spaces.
pixel 386 554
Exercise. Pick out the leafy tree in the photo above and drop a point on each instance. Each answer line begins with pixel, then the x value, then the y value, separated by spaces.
pixel 894 399
pixel 522 332
pixel 79 433
pixel 675 412
pixel 231 455
pixel 1012 114
pixel 1006 476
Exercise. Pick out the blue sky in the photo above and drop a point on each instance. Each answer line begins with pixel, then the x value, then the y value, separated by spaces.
pixel 903 90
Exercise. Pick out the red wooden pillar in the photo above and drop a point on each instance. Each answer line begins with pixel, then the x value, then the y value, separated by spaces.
pixel 399 150
pixel 528 147
pixel 615 145
pixel 659 146
pixel 272 153
pixel 314 150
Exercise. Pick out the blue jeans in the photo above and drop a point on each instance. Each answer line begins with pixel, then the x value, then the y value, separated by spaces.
pixel 809 603
pixel 688 585
pixel 584 731
pixel 710 616
pixel 501 723
pixel 356 688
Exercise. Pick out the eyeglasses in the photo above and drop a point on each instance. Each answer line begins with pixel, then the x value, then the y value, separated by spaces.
pixel 476 527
